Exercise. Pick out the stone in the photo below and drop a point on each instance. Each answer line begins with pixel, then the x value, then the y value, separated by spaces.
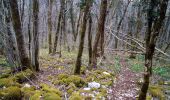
pixel 106 73
pixel 27 85
pixel 94 85
pixel 87 88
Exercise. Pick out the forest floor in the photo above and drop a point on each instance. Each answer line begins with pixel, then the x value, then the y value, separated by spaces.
pixel 118 76
pixel 125 88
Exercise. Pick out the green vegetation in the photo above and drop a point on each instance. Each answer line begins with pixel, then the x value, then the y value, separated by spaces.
pixel 76 96
pixel 11 93
pixel 66 79
pixel 51 96
pixel 49 89
pixel 24 75
pixel 157 91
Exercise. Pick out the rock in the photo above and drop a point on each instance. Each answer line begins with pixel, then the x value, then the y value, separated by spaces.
pixel 94 85
pixel 167 92
pixel 27 85
pixel 87 88
pixel 106 73
pixel 167 83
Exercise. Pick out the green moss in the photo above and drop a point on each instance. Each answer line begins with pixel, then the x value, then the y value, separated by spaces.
pixel 76 96
pixel 78 81
pixel 50 78
pixel 83 70
pixel 99 97
pixel 161 82
pixel 62 76
pixel 55 82
pixel 12 93
pixel 24 76
pixel 65 79
pixel 103 91
pixel 47 88
pixel 28 92
pixel 98 72
pixel 36 95
pixel 157 91
pixel 71 88
pixel 91 78
pixel 148 98
pixel 107 82
pixel 52 96
pixel 6 82
pixel 5 75
pixel 88 98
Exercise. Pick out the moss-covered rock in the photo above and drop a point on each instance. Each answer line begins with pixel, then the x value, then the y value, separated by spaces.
pixel 6 82
pixel 76 96
pixel 36 96
pixel 100 97
pixel 12 93
pixel 62 76
pixel 28 92
pixel 5 75
pixel 71 88
pixel 47 89
pixel 66 80
pixel 83 70
pixel 56 82
pixel 24 76
pixel 51 96
pixel 157 91
pixel 78 81
pixel 148 98
pixel 107 82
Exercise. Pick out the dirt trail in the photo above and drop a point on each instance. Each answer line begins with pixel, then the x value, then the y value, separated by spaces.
pixel 125 87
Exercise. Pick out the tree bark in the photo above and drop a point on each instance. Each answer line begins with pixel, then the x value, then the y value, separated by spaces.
pixel 151 39
pixel 25 61
pixel 120 23
pixel 50 25
pixel 90 39
pixel 58 26
pixel 83 30
pixel 100 32
pixel 35 45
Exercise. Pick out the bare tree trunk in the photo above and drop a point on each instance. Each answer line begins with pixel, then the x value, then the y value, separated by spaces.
pixel 58 27
pixel 151 38
pixel 100 32
pixel 50 25
pixel 77 28
pixel 83 30
pixel 119 24
pixel 72 20
pixel 90 39
pixel 25 61
pixel 29 29
pixel 9 42
pixel 35 45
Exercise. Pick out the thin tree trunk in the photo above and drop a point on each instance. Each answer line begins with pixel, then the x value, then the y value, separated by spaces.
pixel 83 30
pixel 100 32
pixel 90 39
pixel 77 28
pixel 58 28
pixel 151 39
pixel 120 23
pixel 50 25
pixel 29 29
pixel 25 61
pixel 72 20
pixel 35 48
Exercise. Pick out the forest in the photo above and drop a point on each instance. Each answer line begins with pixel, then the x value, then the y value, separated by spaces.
pixel 84 50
